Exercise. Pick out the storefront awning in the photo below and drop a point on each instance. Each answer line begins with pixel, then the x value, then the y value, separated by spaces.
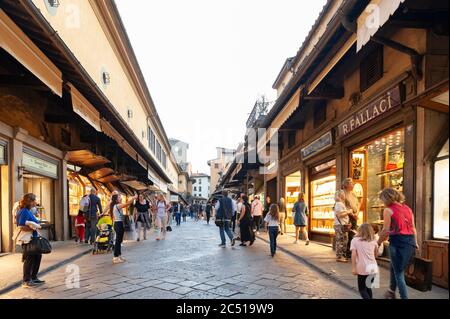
pixel 83 108
pixel 85 158
pixel 376 14
pixel 14 41
pixel 279 120
pixel 104 175
pixel 139 186
pixel 435 98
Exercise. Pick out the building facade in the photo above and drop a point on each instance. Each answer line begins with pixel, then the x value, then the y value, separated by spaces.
pixel 78 114
pixel 218 165
pixel 200 186
pixel 372 105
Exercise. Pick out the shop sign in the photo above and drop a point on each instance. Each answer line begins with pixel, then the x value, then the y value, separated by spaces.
pixel 174 198
pixel 388 101
pixel 318 145
pixel 39 166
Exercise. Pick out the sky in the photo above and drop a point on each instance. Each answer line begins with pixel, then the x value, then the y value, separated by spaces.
pixel 206 62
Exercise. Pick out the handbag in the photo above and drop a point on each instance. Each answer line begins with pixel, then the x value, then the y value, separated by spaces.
pixel 37 246
pixel 219 222
pixel 419 274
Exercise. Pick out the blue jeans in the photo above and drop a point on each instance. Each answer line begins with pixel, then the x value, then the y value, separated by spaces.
pixel 225 229
pixel 178 218
pixel 273 234
pixel 401 249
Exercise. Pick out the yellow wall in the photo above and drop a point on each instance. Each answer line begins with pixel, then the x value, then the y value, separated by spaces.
pixel 78 26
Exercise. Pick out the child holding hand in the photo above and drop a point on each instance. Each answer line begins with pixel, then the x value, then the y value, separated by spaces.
pixel 364 250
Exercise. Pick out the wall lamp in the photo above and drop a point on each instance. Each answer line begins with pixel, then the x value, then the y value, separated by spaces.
pixel 20 170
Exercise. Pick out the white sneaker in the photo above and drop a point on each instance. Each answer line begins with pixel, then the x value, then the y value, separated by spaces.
pixel 117 260
pixel 296 242
pixel 257 233
pixel 121 258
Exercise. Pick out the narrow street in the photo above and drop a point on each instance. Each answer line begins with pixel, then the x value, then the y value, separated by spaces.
pixel 189 264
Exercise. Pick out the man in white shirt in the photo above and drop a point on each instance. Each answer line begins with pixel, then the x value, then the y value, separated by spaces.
pixel 257 211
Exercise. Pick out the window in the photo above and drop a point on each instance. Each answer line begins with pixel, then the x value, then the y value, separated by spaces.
pixel 164 160
pixel 216 166
pixel 158 151
pixel 180 152
pixel 291 138
pixel 440 194
pixel 200 181
pixel 371 68
pixel 200 189
pixel 151 140
pixel 320 114
pixel 195 188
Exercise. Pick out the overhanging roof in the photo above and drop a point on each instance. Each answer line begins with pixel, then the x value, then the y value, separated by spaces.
pixel 36 27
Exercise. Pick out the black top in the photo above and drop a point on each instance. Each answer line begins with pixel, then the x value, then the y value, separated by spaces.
pixel 142 208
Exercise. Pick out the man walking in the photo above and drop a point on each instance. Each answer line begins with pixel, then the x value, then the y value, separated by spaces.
pixel 95 206
pixel 224 209
pixel 208 212
pixel 257 213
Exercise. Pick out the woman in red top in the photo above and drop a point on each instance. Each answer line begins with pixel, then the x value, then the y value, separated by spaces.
pixel 399 226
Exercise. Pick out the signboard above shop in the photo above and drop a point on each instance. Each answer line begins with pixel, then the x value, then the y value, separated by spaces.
pixel 318 145
pixel 39 166
pixel 387 102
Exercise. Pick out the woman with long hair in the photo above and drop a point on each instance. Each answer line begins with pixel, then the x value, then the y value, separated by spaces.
pixel 28 225
pixel 245 223
pixel 272 220
pixel 399 226
pixel 364 249
pixel 116 207
pixel 162 216
pixel 300 211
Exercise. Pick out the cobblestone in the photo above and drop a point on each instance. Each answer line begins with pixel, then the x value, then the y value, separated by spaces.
pixel 189 269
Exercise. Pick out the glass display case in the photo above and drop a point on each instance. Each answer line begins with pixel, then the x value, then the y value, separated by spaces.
pixel 375 166
pixel 322 203
pixel 293 188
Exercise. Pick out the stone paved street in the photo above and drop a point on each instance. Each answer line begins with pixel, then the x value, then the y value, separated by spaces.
pixel 189 264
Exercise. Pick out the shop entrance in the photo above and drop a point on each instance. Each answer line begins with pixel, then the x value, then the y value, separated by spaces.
pixel 374 166
pixel 322 190
pixel 44 189
pixel 293 184
pixel 272 190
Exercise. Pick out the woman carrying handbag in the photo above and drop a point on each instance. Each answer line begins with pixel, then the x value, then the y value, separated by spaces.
pixel 27 235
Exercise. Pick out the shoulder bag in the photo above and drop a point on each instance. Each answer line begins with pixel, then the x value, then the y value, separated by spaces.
pixel 37 246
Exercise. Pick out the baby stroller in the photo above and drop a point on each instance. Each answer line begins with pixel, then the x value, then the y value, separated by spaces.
pixel 104 242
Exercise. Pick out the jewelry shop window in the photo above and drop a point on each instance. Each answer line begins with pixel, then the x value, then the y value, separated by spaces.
pixel 440 194
pixel 375 166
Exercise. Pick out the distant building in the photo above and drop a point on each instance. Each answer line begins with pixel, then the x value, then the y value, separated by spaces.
pixel 224 157
pixel 200 186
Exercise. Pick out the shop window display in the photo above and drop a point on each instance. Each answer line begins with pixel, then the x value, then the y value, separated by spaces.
pixel 375 166
pixel 322 203
pixel 293 188
pixel 440 195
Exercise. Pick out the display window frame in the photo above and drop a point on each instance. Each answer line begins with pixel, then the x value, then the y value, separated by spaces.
pixel 329 172
pixel 433 183
pixel 352 149
pixel 290 228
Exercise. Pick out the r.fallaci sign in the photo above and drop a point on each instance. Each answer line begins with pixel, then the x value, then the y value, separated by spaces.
pixel 384 104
